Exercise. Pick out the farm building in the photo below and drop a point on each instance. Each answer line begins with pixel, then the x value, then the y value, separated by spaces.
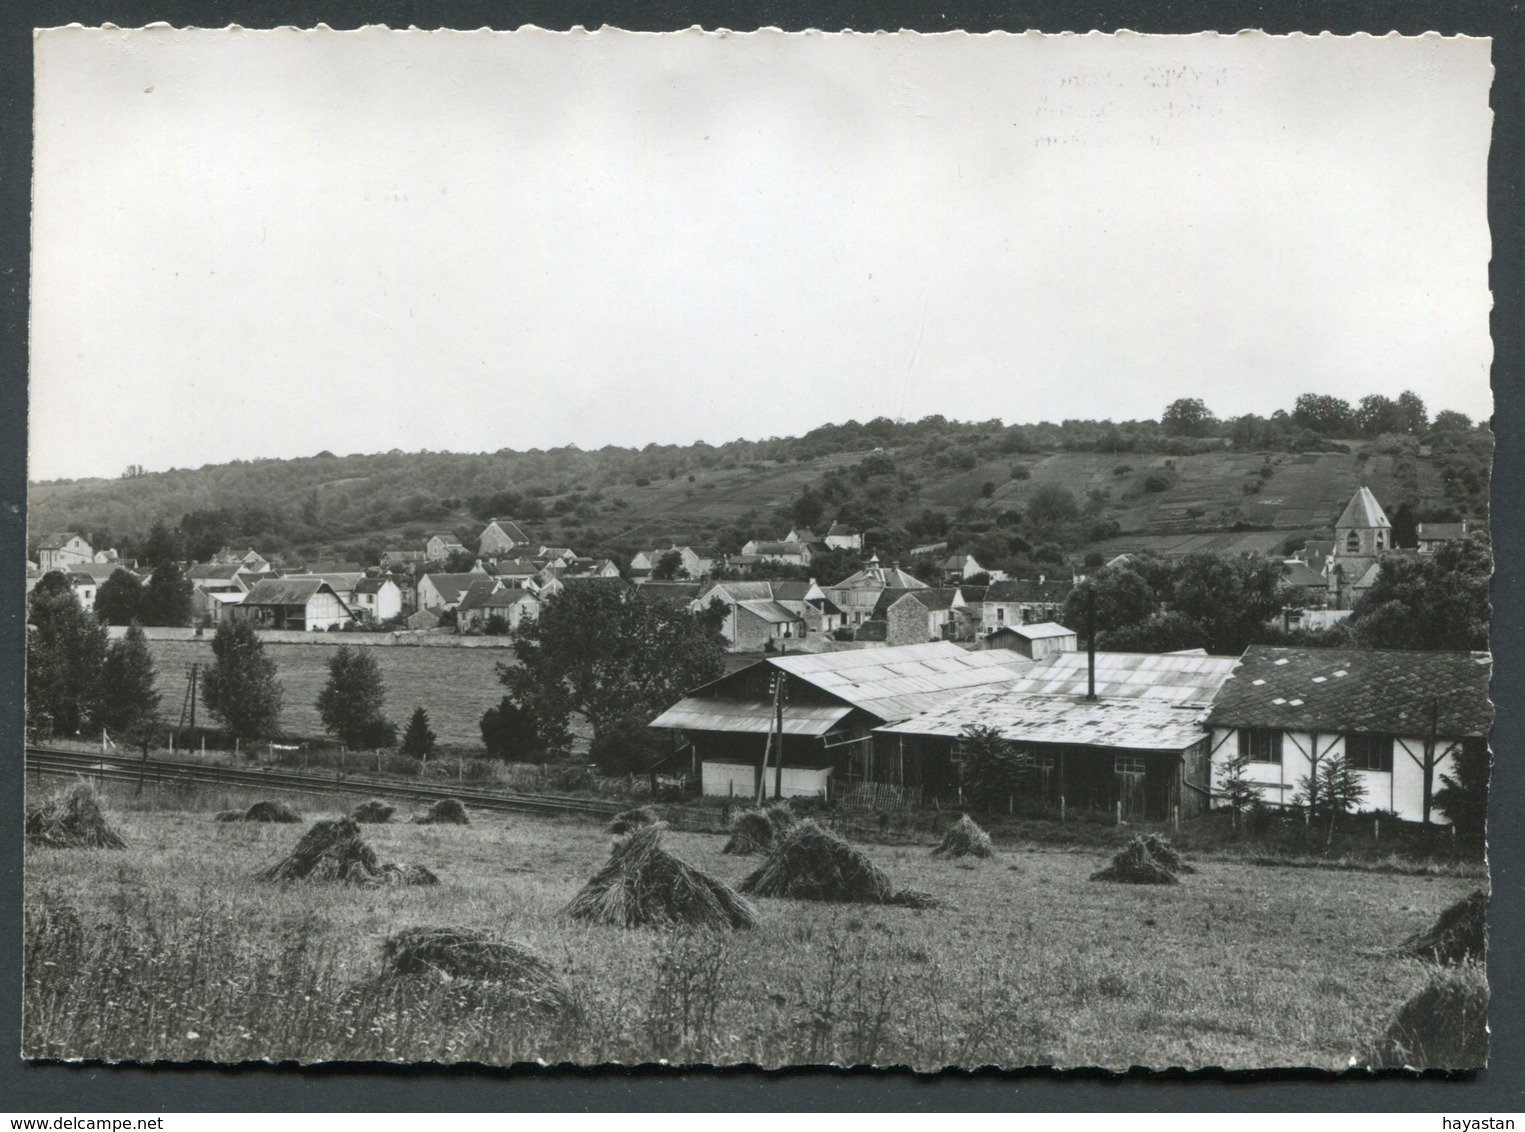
pixel 303 603
pixel 1036 641
pixel 501 537
pixel 1138 743
pixel 1385 711
pixel 832 703
pixel 785 553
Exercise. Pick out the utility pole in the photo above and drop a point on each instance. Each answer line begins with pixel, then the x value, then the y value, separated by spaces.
pixel 778 715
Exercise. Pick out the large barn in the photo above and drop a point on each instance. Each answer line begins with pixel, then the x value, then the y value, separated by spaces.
pixel 832 704
pixel 1138 743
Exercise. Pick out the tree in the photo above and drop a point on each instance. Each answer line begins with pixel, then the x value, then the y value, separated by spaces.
pixel 1437 601
pixel 352 703
pixel 119 601
pixel 1463 795
pixel 1411 412
pixel 419 738
pixel 1377 414
pixel 459 562
pixel 1323 414
pixel 66 652
pixel 241 687
pixel 629 747
pixel 161 545
pixel 1449 420
pixel 1405 527
pixel 1231 598
pixel 1330 791
pixel 993 768
pixel 1235 787
pixel 129 698
pixel 1122 596
pixel 808 509
pixel 609 657
pixel 1187 416
pixel 167 597
pixel 669 568
pixel 509 732
pixel 1052 506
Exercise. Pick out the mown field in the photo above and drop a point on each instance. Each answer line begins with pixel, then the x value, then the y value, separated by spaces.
pixel 455 686
pixel 170 950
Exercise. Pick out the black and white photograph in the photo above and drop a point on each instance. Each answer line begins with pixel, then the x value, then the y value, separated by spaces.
pixel 600 548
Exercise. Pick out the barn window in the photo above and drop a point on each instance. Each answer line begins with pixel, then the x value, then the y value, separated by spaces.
pixel 1261 744
pixel 1369 752
pixel 1129 764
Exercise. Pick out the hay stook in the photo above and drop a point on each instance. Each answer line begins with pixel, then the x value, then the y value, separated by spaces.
pixel 72 819
pixel 1135 863
pixel 1444 1026
pixel 751 832
pixel 373 812
pixel 447 811
pixel 643 885
pixel 463 954
pixel 333 852
pixel 964 839
pixel 1458 936
pixel 631 820
pixel 811 863
pixel 275 813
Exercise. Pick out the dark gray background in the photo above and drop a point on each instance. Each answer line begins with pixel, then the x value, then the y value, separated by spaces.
pixel 42 1089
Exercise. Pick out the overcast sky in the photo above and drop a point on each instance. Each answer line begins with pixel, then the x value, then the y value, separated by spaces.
pixel 255 244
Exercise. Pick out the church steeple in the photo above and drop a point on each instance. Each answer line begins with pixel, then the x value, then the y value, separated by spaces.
pixel 1362 529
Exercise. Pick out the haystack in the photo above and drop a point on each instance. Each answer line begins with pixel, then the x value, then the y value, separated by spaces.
pixel 811 863
pixel 642 885
pixel 466 954
pixel 756 830
pixel 1166 854
pixel 272 812
pixel 334 852
pixel 1459 935
pixel 632 820
pixel 72 819
pixel 1135 864
pixel 1444 1026
pixel 447 811
pixel 964 839
pixel 373 812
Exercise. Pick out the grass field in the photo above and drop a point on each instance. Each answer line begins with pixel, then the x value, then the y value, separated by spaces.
pixel 455 686
pixel 169 950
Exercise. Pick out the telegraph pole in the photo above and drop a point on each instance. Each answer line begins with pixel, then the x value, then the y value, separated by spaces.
pixel 778 715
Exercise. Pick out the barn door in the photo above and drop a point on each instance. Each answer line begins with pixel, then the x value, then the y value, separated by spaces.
pixel 1128 772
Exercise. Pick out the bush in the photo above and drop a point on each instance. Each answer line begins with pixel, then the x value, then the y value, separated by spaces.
pixel 1159 480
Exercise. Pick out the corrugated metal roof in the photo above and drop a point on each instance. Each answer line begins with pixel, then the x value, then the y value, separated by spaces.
pixel 1041 630
pixel 702 713
pixel 895 683
pixel 1131 675
pixel 1139 725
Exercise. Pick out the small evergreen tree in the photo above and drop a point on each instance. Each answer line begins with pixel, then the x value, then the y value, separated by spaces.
pixel 994 768
pixel 129 698
pixel 418 739
pixel 1235 787
pixel 65 654
pixel 351 704
pixel 510 732
pixel 1463 795
pixel 166 600
pixel 241 687
pixel 1331 791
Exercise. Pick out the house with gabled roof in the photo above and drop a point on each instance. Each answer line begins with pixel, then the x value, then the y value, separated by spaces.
pixel 480 605
pixel 443 592
pixel 377 598
pixel 782 553
pixel 439 547
pixel 839 536
pixel 857 594
pixel 60 550
pixel 299 602
pixel 1023 601
pixel 1389 713
pixel 500 538
pixel 403 559
pixel 1432 536
pixel 914 616
pixel 831 704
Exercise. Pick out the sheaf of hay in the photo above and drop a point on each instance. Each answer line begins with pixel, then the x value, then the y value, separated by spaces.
pixel 1458 936
pixel 333 852
pixel 643 885
pixel 808 862
pixel 447 811
pixel 1444 1026
pixel 964 839
pixel 1135 864
pixel 456 954
pixel 634 819
pixel 269 812
pixel 373 812
pixel 72 818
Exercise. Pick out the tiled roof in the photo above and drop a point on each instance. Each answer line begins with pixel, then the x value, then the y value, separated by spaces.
pixel 57 540
pixel 1299 575
pixel 678 594
pixel 1384 691
pixel 935 599
pixel 480 597
pixel 1363 510
pixel 769 611
pixel 333 566
pixel 213 571
pixel 743 591
pixel 452 587
pixel 778 548
pixel 294 590
pixel 509 528
pixel 1442 531
pixel 371 585
pixel 839 529
pixel 1029 589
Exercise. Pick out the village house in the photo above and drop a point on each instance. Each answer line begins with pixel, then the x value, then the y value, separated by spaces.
pixel 403 559
pixel 671 595
pixel 215 586
pixel 697 562
pixel 62 549
pixel 809 600
pixel 961 567
pixel 839 536
pixel 500 539
pixel 480 605
pixel 832 703
pixel 332 566
pixel 857 594
pixel 781 553
pixel 913 616
pixel 1432 536
pixel 299 602
pixel 443 592
pixel 1023 601
pixel 801 534
pixel 377 599
pixel 1135 747
pixel 556 555
pixel 1387 712
pixel 251 560
pixel 754 618
pixel 343 584
pixel 439 547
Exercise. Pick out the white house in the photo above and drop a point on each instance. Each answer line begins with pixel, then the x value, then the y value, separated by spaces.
pixel 1388 712
pixel 377 599
pixel 61 550
pixel 839 536
pixel 480 605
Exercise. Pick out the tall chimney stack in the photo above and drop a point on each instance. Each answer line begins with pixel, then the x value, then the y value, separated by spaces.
pixel 1091 643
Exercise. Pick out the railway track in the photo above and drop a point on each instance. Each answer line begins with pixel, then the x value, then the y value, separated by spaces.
pixel 126 768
